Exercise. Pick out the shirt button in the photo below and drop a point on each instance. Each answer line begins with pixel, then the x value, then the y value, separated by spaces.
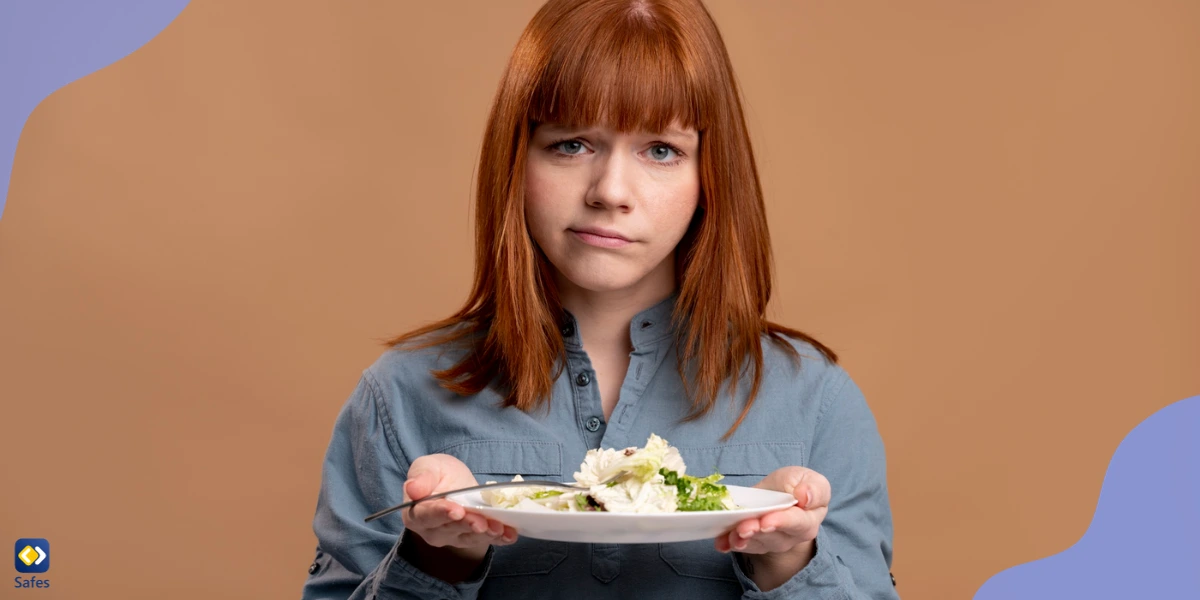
pixel 312 569
pixel 568 330
pixel 582 379
pixel 593 424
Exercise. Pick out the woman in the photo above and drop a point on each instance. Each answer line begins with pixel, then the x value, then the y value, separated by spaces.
pixel 622 275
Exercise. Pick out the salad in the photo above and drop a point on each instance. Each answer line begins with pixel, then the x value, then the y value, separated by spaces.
pixel 657 483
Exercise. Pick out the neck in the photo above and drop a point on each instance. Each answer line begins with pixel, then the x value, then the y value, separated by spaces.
pixel 603 317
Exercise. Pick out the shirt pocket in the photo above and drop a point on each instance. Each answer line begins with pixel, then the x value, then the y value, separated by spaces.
pixel 742 465
pixel 501 460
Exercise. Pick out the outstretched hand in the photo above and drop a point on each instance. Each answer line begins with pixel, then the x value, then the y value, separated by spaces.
pixel 784 539
pixel 442 523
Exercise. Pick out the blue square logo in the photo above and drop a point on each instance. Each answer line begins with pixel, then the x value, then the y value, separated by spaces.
pixel 32 555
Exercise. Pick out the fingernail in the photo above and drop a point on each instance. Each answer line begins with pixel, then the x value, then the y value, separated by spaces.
pixel 808 498
pixel 768 529
pixel 746 534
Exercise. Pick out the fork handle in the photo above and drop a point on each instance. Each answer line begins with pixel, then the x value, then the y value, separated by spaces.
pixel 500 484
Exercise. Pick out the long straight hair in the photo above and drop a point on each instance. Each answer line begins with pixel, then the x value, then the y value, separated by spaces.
pixel 631 65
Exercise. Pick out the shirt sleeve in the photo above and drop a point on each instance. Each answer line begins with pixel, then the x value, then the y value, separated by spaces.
pixel 363 473
pixel 854 544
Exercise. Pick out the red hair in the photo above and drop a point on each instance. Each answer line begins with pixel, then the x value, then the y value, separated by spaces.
pixel 631 65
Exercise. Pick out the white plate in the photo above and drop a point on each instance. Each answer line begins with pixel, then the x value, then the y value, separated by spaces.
pixel 627 528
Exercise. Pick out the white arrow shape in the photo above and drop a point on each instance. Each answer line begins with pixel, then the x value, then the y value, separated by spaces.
pixel 41 555
pixel 24 555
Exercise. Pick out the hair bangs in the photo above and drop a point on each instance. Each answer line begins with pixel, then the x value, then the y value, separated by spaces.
pixel 627 74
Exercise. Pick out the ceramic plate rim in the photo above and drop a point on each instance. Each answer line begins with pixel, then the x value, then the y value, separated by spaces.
pixel 780 505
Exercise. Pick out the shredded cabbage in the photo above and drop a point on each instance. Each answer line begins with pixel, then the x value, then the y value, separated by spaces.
pixel 657 483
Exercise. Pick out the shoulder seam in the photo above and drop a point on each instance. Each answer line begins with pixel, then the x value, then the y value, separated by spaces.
pixel 386 421
pixel 826 400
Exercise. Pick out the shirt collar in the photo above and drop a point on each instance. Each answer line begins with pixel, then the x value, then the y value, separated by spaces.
pixel 648 327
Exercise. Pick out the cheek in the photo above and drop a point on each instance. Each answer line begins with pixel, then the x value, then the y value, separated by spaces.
pixel 539 204
pixel 677 214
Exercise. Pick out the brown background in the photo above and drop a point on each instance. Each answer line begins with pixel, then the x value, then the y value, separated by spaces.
pixel 989 208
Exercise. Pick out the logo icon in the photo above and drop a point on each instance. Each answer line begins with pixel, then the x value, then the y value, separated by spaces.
pixel 32 555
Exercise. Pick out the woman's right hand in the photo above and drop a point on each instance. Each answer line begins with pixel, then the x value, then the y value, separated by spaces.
pixel 447 525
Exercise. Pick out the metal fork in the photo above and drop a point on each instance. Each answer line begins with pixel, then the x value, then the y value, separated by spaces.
pixel 620 475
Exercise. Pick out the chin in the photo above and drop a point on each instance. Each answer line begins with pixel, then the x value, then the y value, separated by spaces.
pixel 603 280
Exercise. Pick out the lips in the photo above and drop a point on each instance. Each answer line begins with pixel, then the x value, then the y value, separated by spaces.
pixel 600 237
pixel 601 232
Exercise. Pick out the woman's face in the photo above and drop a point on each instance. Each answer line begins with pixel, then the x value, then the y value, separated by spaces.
pixel 608 208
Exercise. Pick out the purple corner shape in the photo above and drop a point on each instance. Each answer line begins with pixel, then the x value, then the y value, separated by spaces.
pixel 46 44
pixel 1144 540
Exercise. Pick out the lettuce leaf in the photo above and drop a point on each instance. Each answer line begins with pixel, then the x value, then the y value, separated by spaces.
pixel 697 493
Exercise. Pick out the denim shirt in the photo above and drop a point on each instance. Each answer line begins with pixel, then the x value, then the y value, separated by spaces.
pixel 812 416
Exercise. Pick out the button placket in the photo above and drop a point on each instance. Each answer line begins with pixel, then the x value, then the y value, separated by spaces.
pixel 643 364
pixel 592 423
pixel 579 376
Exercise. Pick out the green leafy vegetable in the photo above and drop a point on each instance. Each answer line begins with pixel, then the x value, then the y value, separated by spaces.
pixel 696 493
pixel 701 504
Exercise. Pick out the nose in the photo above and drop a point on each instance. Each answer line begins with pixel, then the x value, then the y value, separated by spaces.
pixel 613 186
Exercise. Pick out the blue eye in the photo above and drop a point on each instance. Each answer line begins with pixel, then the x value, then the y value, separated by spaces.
pixel 569 147
pixel 661 152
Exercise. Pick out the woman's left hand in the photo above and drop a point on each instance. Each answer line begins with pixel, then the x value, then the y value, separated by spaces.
pixel 784 537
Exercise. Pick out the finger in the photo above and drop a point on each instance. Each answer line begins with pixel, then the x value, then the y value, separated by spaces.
pixel 458 534
pixel 495 528
pixel 767 544
pixel 472 534
pixel 722 543
pixel 419 485
pixel 476 522
pixel 793 522
pixel 436 472
pixel 476 541
pixel 435 513
pixel 747 528
pixel 812 490
pixel 780 519
pixel 508 537
pixel 762 543
pixel 737 542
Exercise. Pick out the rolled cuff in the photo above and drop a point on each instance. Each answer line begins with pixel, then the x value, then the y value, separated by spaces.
pixel 402 579
pixel 820 579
